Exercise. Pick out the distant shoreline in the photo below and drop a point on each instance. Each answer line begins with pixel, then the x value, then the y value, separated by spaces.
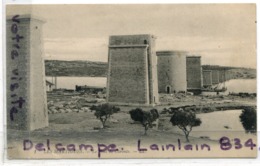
pixel 62 68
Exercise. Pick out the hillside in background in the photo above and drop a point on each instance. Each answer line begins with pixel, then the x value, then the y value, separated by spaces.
pixel 234 72
pixel 75 68
pixel 99 69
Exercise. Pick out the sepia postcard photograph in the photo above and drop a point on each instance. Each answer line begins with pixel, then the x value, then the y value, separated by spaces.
pixel 130 81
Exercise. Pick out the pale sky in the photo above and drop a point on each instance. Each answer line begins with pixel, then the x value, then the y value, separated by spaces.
pixel 221 34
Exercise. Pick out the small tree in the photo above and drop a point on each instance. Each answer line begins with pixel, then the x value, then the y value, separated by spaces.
pixel 144 117
pixel 185 120
pixel 248 119
pixel 104 111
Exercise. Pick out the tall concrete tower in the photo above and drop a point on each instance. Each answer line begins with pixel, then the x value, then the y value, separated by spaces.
pixel 171 71
pixel 132 73
pixel 215 76
pixel 222 75
pixel 25 74
pixel 207 78
pixel 194 74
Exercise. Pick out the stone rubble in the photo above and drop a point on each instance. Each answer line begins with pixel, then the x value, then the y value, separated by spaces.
pixel 59 102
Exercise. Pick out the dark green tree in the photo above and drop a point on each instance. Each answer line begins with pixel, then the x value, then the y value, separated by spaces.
pixel 104 111
pixel 146 118
pixel 185 120
pixel 248 119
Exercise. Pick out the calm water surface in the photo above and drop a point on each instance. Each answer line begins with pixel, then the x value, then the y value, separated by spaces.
pixel 238 85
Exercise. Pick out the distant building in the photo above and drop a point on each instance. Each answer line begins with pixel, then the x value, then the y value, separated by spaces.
pixel 171 71
pixel 132 72
pixel 49 86
pixel 194 74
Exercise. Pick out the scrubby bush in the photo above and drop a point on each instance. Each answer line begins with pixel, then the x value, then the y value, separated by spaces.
pixel 104 111
pixel 208 109
pixel 137 114
pixel 248 119
pixel 185 120
pixel 190 108
pixel 172 110
pixel 146 118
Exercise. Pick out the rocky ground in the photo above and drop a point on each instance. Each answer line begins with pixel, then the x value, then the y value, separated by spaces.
pixel 71 121
pixel 70 111
pixel 71 101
